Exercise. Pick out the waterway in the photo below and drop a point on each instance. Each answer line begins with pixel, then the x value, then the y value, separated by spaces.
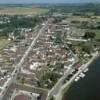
pixel 87 88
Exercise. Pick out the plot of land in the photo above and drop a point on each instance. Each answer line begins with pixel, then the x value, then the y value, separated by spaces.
pixel 22 10
pixel 3 43
pixel 77 18
pixel 97 33
pixel 98 17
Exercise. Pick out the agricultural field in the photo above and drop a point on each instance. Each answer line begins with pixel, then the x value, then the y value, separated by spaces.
pixel 22 10
pixel 80 19
pixel 77 18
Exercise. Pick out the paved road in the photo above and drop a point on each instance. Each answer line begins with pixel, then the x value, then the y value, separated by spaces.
pixel 58 96
pixel 17 68
pixel 59 84
pixel 29 49
pixel 58 87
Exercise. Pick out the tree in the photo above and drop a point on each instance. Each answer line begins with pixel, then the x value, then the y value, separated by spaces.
pixel 89 35
pixel 52 98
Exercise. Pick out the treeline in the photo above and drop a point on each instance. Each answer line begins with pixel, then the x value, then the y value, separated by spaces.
pixel 21 22
pixel 18 22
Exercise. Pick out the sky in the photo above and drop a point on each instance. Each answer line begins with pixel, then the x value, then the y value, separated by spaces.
pixel 47 1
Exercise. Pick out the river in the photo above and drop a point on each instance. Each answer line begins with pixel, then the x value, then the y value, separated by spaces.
pixel 87 88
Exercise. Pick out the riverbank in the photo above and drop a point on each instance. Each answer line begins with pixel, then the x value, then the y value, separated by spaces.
pixel 66 86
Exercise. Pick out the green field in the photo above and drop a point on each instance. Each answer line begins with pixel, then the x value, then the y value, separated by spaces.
pixel 97 34
pixel 98 17
pixel 80 18
pixel 3 43
pixel 77 18
pixel 22 10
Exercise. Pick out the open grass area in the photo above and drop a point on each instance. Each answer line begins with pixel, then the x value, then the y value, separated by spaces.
pixel 3 42
pixel 97 34
pixel 77 18
pixel 22 10
pixel 98 17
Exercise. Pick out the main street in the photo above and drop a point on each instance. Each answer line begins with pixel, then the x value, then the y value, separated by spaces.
pixel 18 67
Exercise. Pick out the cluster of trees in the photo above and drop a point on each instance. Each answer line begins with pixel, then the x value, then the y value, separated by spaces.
pixel 58 19
pixel 21 22
pixel 86 49
pixel 18 22
pixel 48 79
pixel 89 35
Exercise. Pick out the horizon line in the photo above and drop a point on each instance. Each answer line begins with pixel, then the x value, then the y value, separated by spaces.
pixel 53 3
